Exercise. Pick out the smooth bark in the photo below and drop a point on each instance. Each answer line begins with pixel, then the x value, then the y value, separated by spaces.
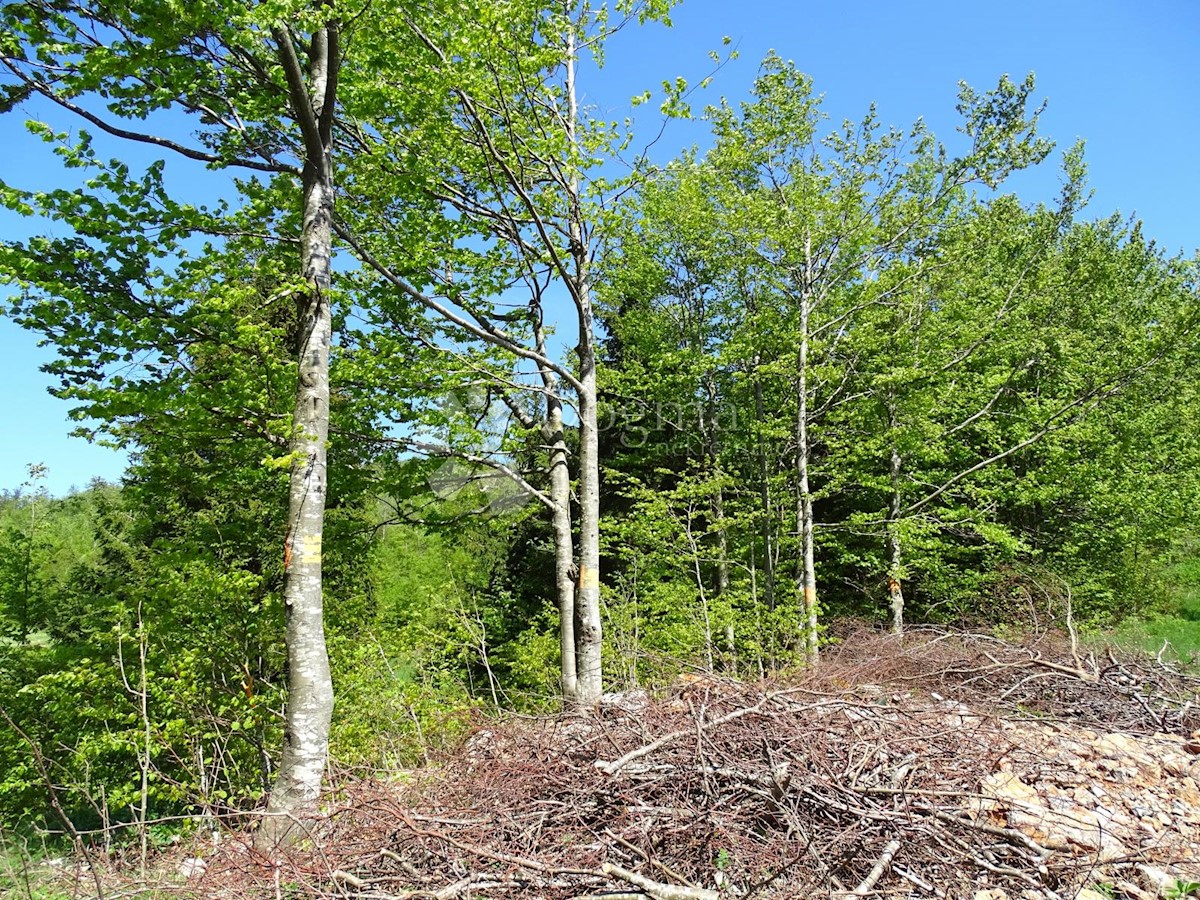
pixel 894 549
pixel 309 711
pixel 804 504
pixel 564 543
pixel 590 630
pixel 589 636
pixel 554 437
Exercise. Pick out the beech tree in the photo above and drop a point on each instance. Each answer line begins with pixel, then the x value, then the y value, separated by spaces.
pixel 949 339
pixel 803 359
pixel 814 220
pixel 261 84
pixel 516 173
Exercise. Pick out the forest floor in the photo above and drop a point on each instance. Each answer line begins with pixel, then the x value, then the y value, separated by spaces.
pixel 941 765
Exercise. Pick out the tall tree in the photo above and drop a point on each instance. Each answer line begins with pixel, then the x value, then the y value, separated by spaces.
pixel 517 173
pixel 261 82
pixel 312 92
pixel 952 339
pixel 808 224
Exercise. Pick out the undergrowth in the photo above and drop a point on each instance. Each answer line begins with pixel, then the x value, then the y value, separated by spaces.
pixel 25 870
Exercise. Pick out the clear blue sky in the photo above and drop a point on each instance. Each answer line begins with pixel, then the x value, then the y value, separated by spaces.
pixel 1123 76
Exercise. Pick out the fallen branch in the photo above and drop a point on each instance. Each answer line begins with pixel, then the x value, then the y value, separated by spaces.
pixel 484 853
pixel 612 768
pixel 665 869
pixel 881 866
pixel 1009 834
pixel 346 878
pixel 657 889
pixel 1080 673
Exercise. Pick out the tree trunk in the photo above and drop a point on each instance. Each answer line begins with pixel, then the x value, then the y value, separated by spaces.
pixel 591 681
pixel 764 489
pixel 589 637
pixel 804 524
pixel 297 787
pixel 895 557
pixel 694 546
pixel 709 422
pixel 804 506
pixel 709 429
pixel 560 495
pixel 564 545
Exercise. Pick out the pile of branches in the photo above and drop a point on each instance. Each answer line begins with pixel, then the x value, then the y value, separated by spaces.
pixel 720 793
pixel 861 778
pixel 1047 676
pixel 847 785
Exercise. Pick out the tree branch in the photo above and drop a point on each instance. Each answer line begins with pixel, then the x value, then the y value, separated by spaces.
pixel 153 140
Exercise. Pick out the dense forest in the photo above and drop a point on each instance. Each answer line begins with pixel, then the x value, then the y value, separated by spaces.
pixel 460 401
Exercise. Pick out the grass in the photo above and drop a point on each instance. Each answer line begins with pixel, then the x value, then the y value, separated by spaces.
pixel 1178 626
pixel 32 869
pixel 24 872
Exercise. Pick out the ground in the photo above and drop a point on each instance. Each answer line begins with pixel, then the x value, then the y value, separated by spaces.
pixel 953 766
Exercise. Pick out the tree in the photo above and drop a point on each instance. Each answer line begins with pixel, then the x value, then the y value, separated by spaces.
pixel 518 182
pixel 807 226
pixel 224 68
pixel 675 447
pixel 19 568
pixel 950 339
pixel 313 98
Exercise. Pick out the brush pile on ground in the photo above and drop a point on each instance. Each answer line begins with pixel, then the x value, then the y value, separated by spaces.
pixel 940 766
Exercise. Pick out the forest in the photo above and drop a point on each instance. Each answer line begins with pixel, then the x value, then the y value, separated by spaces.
pixel 458 400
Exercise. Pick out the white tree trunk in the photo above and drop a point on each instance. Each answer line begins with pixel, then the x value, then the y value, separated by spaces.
pixel 309 712
pixel 589 638
pixel 564 544
pixel 895 551
pixel 804 515
pixel 804 505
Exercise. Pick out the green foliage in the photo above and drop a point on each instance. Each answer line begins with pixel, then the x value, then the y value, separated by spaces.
pixel 395 707
pixel 996 396
pixel 24 871
pixel 1173 626
pixel 984 379
pixel 76 699
pixel 1181 889
pixel 461 599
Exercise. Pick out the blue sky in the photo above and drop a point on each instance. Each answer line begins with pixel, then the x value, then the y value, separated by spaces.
pixel 1125 77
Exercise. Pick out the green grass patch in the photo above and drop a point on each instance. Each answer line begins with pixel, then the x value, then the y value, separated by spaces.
pixel 1178 625
pixel 1182 636
pixel 24 872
